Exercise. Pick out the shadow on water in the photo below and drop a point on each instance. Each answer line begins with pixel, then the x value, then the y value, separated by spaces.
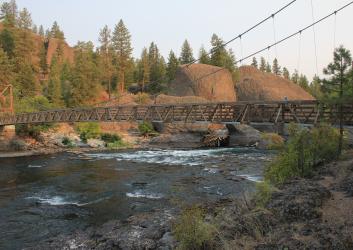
pixel 45 196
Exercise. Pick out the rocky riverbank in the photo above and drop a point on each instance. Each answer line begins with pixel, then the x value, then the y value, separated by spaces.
pixel 314 213
pixel 64 137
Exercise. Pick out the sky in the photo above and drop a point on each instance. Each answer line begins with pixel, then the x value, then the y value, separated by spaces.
pixel 169 23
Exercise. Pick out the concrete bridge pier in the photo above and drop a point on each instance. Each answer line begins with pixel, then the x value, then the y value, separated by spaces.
pixel 7 133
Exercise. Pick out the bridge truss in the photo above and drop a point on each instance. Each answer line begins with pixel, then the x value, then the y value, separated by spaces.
pixel 304 112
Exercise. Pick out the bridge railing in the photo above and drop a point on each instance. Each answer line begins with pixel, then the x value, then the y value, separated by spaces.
pixel 310 112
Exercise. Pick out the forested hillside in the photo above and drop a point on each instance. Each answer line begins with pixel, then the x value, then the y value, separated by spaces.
pixel 46 72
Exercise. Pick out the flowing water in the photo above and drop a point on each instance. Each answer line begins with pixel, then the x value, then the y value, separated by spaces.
pixel 45 196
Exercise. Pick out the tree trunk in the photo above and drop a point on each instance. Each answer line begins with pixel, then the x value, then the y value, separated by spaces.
pixel 340 145
pixel 122 82
pixel 109 88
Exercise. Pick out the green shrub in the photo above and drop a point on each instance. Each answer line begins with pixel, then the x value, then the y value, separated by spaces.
pixel 67 142
pixel 110 138
pixel 32 104
pixel 32 130
pixel 88 130
pixel 263 193
pixel 273 140
pixel 304 150
pixel 146 129
pixel 192 231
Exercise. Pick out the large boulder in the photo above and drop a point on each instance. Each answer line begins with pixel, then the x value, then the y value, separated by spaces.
pixel 255 85
pixel 199 80
pixel 243 135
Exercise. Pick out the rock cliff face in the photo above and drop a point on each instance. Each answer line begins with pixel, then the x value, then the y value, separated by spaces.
pixel 255 85
pixel 216 87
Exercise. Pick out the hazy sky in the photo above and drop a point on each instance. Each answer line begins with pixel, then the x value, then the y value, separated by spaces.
pixel 168 23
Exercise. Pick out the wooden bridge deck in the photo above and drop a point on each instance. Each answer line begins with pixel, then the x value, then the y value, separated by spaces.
pixel 305 112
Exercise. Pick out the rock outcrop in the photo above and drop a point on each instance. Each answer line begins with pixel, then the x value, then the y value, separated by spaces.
pixel 192 81
pixel 255 85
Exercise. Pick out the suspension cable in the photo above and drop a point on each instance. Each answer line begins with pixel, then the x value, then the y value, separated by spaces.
pixel 315 46
pixel 268 56
pixel 299 51
pixel 274 35
pixel 283 39
pixel 334 32
pixel 241 49
pixel 245 32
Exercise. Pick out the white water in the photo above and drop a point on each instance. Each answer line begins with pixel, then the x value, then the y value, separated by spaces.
pixel 254 178
pixel 35 166
pixel 61 201
pixel 168 157
pixel 141 194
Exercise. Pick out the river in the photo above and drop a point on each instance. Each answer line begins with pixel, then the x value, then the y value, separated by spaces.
pixel 42 197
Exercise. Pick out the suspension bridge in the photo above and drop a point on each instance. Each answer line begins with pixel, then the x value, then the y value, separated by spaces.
pixel 274 112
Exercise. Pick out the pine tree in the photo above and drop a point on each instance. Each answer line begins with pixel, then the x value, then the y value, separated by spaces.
pixel 66 82
pixel 286 73
pixel 315 88
pixel 106 54
pixel 295 77
pixel 263 64
pixel 145 68
pixel 35 29
pixel 85 75
pixel 254 62
pixel 43 64
pixel 276 69
pixel 219 53
pixel 9 13
pixel 221 57
pixel 229 61
pixel 7 42
pixel 25 20
pixel 172 66
pixel 268 68
pixel 157 69
pixel 203 56
pixel 122 46
pixel 186 55
pixel 6 68
pixel 54 85
pixel 26 82
pixel 47 34
pixel 41 30
pixel 337 86
pixel 55 32
pixel 303 82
